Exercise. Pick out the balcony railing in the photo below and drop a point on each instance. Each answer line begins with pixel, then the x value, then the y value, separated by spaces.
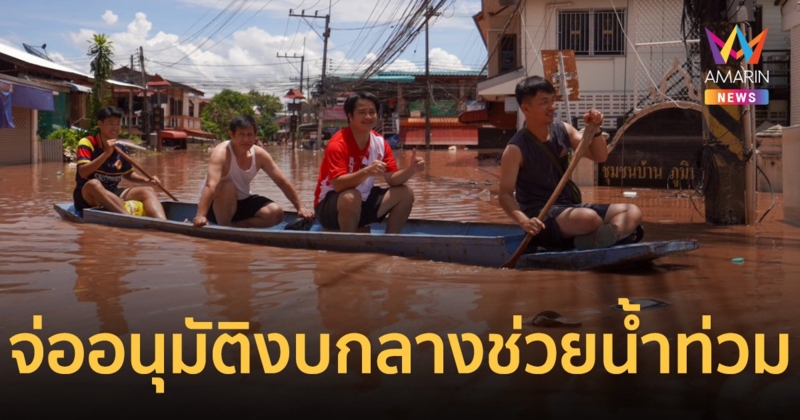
pixel 171 122
pixel 181 122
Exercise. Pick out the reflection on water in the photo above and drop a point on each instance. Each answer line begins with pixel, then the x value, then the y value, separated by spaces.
pixel 87 279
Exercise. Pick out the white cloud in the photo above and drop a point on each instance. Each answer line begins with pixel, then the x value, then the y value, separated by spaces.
pixel 140 25
pixel 344 11
pixel 442 60
pixel 109 17
pixel 403 65
pixel 247 59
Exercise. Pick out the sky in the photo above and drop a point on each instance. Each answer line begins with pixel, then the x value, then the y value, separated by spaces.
pixel 217 44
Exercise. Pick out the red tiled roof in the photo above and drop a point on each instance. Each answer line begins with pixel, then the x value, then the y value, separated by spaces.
pixel 294 94
pixel 476 116
pixel 158 81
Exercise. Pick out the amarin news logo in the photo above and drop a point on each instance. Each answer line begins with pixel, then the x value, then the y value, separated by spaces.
pixel 750 53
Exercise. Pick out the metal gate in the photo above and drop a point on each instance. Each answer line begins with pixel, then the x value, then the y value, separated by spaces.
pixel 15 143
pixel 51 150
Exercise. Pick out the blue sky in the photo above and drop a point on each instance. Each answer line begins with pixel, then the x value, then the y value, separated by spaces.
pixel 201 43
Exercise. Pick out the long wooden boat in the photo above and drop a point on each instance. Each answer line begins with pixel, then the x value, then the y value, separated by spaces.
pixel 480 244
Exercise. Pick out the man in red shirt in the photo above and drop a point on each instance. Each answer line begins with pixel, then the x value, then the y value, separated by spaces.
pixel 346 197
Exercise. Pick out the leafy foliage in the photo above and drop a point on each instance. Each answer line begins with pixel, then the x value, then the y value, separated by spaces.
pixel 101 49
pixel 228 104
pixel 70 137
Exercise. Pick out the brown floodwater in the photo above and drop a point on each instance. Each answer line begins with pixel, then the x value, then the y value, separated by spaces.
pixel 87 279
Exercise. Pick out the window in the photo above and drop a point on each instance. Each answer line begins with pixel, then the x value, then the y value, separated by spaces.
pixel 592 32
pixel 508 53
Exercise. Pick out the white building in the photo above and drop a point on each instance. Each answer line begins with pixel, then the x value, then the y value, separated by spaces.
pixel 630 54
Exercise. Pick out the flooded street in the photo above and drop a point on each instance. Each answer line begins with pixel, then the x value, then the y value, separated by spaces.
pixel 87 279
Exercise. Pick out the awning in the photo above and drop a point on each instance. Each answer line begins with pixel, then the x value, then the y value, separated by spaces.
pixel 79 88
pixel 169 134
pixel 32 98
pixel 6 120
pixel 498 87
pixel 476 116
pixel 199 133
pixel 128 85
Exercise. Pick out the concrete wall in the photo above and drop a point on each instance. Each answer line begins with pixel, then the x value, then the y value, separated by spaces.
pixel 791 170
pixel 770 160
pixel 539 32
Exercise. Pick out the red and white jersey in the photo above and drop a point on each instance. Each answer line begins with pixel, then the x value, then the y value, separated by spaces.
pixel 343 156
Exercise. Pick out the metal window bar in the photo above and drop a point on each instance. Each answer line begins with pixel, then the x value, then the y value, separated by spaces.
pixel 608 36
pixel 591 32
pixel 573 31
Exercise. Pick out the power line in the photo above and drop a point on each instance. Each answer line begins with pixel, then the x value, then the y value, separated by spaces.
pixel 326 35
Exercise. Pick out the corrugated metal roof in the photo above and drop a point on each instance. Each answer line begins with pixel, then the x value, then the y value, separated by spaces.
pixel 462 73
pixel 410 76
pixel 437 121
pixel 41 62
pixel 440 136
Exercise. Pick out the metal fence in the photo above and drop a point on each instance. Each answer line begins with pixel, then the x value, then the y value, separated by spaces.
pixel 667 54
pixel 51 151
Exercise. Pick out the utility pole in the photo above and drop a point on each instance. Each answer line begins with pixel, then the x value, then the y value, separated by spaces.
pixel 749 147
pixel 302 60
pixel 428 94
pixel 146 101
pixel 321 105
pixel 297 110
pixel 723 131
pixel 427 79
pixel 130 101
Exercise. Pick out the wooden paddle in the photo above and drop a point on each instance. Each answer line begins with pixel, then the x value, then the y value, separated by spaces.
pixel 140 169
pixel 586 140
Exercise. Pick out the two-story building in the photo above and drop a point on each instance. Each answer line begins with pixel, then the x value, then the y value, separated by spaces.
pixel 637 61
pixel 181 105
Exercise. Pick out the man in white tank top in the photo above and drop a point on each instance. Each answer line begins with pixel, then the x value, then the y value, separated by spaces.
pixel 225 198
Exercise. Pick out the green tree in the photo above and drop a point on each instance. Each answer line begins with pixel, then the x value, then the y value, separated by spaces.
pixel 101 49
pixel 222 108
pixel 267 106
pixel 227 104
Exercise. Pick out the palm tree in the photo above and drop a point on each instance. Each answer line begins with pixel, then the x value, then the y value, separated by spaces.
pixel 101 50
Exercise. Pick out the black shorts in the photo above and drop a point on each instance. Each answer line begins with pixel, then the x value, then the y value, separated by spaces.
pixel 246 208
pixel 328 213
pixel 80 203
pixel 551 238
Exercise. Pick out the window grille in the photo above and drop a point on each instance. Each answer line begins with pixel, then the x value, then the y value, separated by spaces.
pixel 591 32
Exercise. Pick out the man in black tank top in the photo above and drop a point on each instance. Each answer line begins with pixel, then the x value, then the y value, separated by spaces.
pixel 529 171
